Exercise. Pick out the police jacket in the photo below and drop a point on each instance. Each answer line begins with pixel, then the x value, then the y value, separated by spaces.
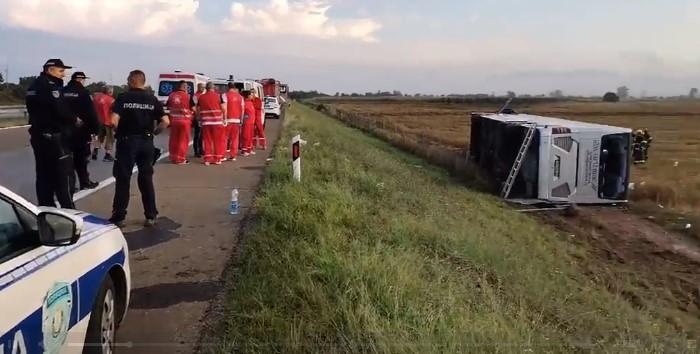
pixel 80 103
pixel 47 109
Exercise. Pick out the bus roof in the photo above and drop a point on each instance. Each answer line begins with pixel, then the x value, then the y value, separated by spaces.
pixel 542 121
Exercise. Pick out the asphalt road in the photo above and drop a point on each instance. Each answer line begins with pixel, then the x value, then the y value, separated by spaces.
pixel 17 162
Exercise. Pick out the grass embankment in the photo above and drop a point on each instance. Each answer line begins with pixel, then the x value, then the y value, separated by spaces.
pixel 375 251
pixel 12 122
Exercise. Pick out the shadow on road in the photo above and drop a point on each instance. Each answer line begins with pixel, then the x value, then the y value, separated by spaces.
pixel 149 237
pixel 166 295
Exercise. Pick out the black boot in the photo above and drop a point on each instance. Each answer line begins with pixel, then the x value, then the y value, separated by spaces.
pixel 94 153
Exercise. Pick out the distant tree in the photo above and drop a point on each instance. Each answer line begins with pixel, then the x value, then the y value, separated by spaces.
pixel 96 86
pixel 611 97
pixel 511 94
pixel 623 92
pixel 2 79
pixel 337 94
pixel 693 92
pixel 354 94
pixel 417 95
pixel 397 93
pixel 556 94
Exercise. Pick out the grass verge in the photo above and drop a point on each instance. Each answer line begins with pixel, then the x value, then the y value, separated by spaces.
pixel 375 251
pixel 12 122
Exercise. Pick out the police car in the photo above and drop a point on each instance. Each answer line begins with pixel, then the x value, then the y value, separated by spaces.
pixel 64 279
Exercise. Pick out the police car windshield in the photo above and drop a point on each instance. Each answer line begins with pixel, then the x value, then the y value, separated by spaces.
pixel 165 88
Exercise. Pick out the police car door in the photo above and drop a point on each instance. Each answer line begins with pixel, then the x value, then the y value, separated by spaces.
pixel 38 301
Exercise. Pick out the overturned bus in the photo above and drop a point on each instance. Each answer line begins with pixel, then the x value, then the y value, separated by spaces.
pixel 535 159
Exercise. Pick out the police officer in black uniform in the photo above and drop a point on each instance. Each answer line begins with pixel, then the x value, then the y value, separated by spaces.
pixel 137 116
pixel 51 120
pixel 80 103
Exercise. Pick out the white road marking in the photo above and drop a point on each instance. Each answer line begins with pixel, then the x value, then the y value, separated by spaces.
pixel 107 182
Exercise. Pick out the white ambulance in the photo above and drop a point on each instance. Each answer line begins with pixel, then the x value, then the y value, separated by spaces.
pixel 64 279
pixel 167 83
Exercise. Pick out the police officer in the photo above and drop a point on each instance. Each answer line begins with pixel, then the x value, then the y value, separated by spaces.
pixel 80 104
pixel 50 120
pixel 137 116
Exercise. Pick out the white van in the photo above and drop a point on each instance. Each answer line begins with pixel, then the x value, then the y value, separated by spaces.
pixel 167 83
pixel 252 85
pixel 565 162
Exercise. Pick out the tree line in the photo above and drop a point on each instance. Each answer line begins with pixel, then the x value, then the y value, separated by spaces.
pixel 13 93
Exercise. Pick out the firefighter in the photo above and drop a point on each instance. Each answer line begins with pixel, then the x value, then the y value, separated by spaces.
pixel 259 139
pixel 197 138
pixel 180 105
pixel 234 113
pixel 212 108
pixel 639 147
pixel 50 120
pixel 137 117
pixel 103 105
pixel 78 99
pixel 648 138
pixel 248 124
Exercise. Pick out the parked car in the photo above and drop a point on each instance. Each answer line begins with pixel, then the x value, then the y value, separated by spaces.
pixel 64 279
pixel 273 109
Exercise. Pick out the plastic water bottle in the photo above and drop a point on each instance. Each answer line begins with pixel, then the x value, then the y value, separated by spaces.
pixel 233 207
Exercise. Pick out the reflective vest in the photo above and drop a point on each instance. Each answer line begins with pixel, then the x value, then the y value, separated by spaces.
pixel 210 108
pixel 179 105
pixel 234 107
pixel 103 106
pixel 248 112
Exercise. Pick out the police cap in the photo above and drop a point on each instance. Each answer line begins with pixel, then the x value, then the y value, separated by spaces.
pixel 56 63
pixel 79 75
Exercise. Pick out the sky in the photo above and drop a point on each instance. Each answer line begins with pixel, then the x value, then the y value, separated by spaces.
pixel 415 46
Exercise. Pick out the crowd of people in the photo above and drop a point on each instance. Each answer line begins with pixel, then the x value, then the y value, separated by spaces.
pixel 224 123
pixel 68 127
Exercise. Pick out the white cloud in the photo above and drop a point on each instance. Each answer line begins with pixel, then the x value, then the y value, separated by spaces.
pixel 298 17
pixel 101 18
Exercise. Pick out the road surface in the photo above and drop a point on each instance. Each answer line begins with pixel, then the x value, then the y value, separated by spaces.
pixel 17 161
pixel 176 267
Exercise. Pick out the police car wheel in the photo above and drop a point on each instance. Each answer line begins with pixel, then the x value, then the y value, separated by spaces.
pixel 101 331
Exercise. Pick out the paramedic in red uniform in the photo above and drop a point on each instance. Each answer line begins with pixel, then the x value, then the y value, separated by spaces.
pixel 234 113
pixel 248 123
pixel 212 110
pixel 103 105
pixel 180 106
pixel 259 139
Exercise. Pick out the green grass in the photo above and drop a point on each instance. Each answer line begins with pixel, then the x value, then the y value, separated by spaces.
pixel 377 252
pixel 12 122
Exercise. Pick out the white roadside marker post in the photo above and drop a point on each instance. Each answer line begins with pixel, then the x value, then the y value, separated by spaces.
pixel 296 158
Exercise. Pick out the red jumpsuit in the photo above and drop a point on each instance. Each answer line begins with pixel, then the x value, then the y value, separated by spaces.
pixel 259 139
pixel 180 106
pixel 234 113
pixel 213 130
pixel 248 126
